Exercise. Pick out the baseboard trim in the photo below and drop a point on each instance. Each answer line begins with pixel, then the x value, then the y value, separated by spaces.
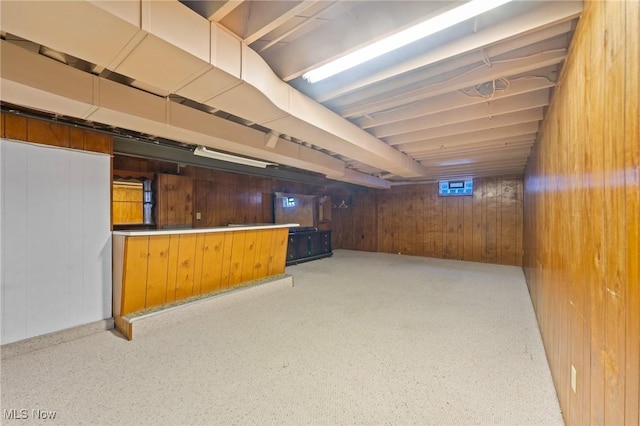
pixel 32 344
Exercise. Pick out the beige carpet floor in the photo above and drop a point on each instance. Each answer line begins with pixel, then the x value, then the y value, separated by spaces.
pixel 362 338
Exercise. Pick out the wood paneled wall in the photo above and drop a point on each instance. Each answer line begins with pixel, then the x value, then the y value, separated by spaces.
pixel 22 128
pixel 355 227
pixel 174 201
pixel 220 197
pixel 414 220
pixel 582 196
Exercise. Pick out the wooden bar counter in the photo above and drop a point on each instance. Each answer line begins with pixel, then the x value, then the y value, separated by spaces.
pixel 157 267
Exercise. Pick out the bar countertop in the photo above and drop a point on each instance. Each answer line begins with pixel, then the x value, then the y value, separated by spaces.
pixel 230 228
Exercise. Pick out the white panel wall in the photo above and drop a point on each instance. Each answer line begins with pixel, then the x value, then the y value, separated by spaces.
pixel 55 239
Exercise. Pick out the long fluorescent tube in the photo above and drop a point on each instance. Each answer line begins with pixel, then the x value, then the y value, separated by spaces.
pixel 395 41
pixel 204 152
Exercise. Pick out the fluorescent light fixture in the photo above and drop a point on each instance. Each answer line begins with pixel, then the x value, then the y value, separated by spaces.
pixel 424 29
pixel 202 151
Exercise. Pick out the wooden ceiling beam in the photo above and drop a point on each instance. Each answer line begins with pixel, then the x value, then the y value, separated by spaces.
pixel 476 137
pixel 366 22
pixel 516 159
pixel 547 21
pixel 224 8
pixel 484 150
pixel 479 75
pixel 489 146
pixel 487 109
pixel 452 101
pixel 481 165
pixel 266 16
pixel 462 129
pixel 478 168
pixel 443 71
pixel 274 40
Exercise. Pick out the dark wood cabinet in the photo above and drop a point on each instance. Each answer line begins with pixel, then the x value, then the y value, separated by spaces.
pixel 308 245
pixel 174 201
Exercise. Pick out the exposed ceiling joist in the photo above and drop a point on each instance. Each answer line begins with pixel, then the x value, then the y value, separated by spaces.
pixel 444 71
pixel 478 75
pixel 489 149
pixel 254 19
pixel 490 108
pixel 305 21
pixel 476 137
pixel 451 102
pixel 225 7
pixel 473 146
pixel 464 128
pixel 364 22
pixel 554 19
pixel 494 156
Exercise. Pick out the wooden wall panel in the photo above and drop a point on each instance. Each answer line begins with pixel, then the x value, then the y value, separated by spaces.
pixel 134 277
pixel 158 266
pixel 212 260
pixel 414 220
pixel 172 271
pixel 261 257
pixel 248 256
pixel 174 201
pixel 30 129
pixel 227 252
pixel 581 219
pixel 237 251
pixel 409 219
pixel 279 251
pixel 15 127
pixel 186 266
pixel 47 133
pixel 632 198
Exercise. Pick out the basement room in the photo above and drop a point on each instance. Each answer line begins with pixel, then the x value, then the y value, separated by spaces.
pixel 320 212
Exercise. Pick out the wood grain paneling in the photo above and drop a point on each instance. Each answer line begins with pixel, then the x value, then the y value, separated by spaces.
pixel 414 220
pixel 30 129
pixel 410 219
pixel 98 142
pixel 47 133
pixel 632 225
pixel 127 203
pixel 15 127
pixel 174 201
pixel 186 266
pixel 134 277
pixel 160 269
pixel 157 271
pixel 212 259
pixel 581 191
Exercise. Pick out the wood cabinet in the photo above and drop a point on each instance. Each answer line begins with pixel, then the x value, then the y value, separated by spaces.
pixel 308 245
pixel 174 201
pixel 127 203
